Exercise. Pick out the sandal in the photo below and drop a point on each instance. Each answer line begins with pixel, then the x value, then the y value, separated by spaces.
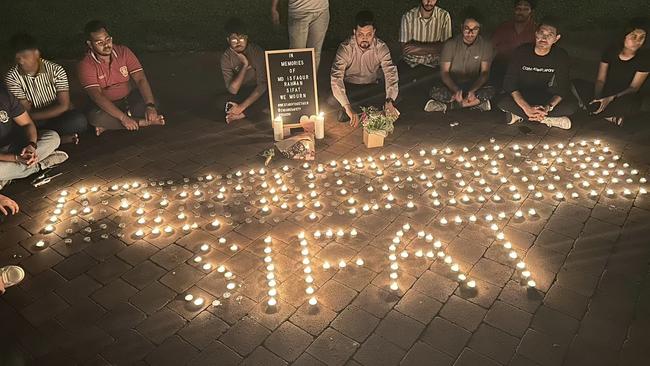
pixel 11 275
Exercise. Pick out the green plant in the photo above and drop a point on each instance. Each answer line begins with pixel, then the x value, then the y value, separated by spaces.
pixel 376 121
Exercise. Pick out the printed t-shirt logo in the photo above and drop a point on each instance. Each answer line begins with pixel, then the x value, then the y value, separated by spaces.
pixel 4 117
pixel 124 71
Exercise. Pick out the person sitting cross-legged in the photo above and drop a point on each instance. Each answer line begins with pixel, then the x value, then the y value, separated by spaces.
pixel 623 69
pixel 23 150
pixel 105 74
pixel 422 32
pixel 464 71
pixel 244 73
pixel 537 84
pixel 362 71
pixel 42 88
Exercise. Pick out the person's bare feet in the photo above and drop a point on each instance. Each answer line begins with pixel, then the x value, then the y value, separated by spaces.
pixel 234 117
pixel 158 122
pixel 99 130
pixel 71 139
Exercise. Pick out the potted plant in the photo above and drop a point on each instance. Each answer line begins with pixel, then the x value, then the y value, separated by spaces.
pixel 376 126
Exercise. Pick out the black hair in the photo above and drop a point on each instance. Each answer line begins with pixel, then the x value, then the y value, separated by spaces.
pixel 94 26
pixel 637 23
pixel 471 12
pixel 532 3
pixel 634 23
pixel 22 41
pixel 550 21
pixel 364 18
pixel 235 26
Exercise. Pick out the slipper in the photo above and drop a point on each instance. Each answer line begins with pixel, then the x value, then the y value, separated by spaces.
pixel 11 275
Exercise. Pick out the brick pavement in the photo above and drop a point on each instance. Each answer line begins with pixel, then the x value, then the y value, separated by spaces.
pixel 98 292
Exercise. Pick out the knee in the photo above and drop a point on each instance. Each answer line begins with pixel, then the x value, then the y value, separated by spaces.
pixel 78 122
pixel 49 139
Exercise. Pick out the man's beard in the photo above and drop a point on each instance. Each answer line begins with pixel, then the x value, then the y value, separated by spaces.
pixel 428 7
pixel 520 18
pixel 364 44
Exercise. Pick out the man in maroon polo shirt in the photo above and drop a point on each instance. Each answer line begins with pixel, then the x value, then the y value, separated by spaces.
pixel 105 74
pixel 510 35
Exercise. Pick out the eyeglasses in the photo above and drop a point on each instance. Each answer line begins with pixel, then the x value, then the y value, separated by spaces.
pixel 238 39
pixel 544 35
pixel 471 30
pixel 106 41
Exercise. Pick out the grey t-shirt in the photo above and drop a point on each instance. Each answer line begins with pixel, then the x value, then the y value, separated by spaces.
pixel 300 7
pixel 466 59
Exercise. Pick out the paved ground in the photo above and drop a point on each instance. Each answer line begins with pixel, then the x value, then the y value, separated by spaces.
pixel 99 294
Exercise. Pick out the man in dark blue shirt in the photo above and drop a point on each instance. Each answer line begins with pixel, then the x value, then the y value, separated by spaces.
pixel 23 150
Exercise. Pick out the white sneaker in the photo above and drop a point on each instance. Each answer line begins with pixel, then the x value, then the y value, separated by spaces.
pixel 11 275
pixel 483 107
pixel 512 118
pixel 560 122
pixel 435 106
pixel 55 158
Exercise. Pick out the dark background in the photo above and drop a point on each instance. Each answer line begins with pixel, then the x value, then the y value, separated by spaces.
pixel 177 25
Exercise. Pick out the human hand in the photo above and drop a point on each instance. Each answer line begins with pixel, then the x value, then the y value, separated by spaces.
pixel 129 123
pixel 536 113
pixel 28 155
pixel 236 108
pixel 275 16
pixel 390 109
pixel 604 102
pixel 151 114
pixel 243 59
pixel 8 203
pixel 457 97
pixel 354 118
pixel 471 97
pixel 410 48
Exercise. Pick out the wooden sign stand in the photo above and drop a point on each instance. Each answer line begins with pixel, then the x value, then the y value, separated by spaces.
pixel 300 93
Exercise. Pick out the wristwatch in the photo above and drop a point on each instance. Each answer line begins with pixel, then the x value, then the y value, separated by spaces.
pixel 151 105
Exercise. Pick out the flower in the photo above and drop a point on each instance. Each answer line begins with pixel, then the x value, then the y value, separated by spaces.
pixel 377 122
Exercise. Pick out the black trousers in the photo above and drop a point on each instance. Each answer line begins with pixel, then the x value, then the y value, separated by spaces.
pixel 254 112
pixel 625 106
pixel 133 103
pixel 567 107
pixel 68 123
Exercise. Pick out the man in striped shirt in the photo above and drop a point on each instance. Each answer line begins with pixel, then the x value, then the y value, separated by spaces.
pixel 422 33
pixel 105 73
pixel 41 87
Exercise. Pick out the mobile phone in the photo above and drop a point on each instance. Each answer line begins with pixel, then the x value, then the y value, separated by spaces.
pixel 229 106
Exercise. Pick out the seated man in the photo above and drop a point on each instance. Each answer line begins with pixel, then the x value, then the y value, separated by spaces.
pixel 105 74
pixel 508 36
pixel 537 82
pixel 464 71
pixel 422 33
pixel 23 151
pixel 624 67
pixel 41 87
pixel 244 71
pixel 357 71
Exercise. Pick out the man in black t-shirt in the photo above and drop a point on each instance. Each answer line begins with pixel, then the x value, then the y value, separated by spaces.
pixel 23 151
pixel 537 82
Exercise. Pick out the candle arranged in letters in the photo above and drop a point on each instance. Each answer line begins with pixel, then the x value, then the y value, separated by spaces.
pixel 291 77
